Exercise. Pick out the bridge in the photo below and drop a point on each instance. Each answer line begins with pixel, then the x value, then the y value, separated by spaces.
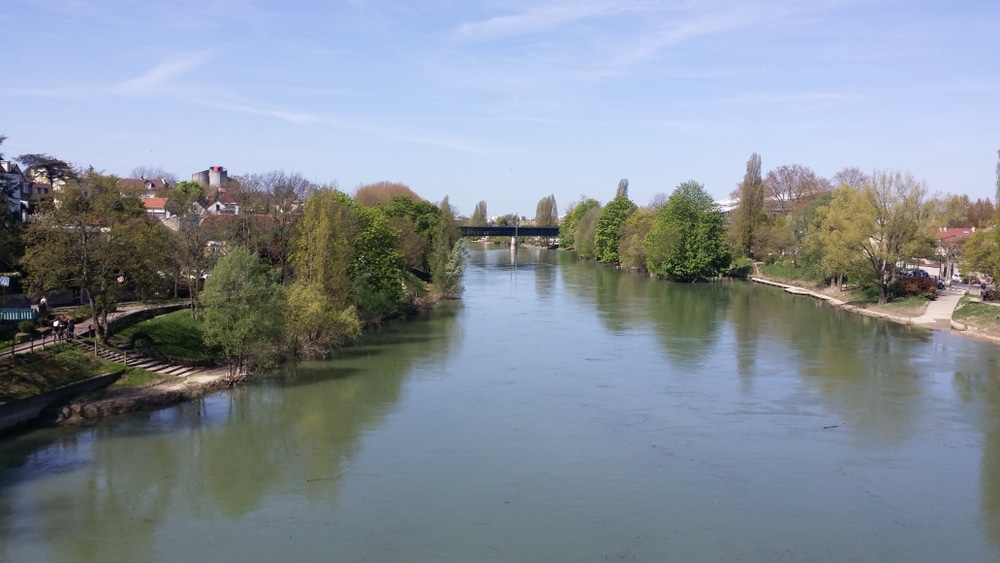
pixel 490 231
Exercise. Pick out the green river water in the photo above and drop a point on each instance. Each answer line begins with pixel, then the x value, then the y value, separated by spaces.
pixel 560 411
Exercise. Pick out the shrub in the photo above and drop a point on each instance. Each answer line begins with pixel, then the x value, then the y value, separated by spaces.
pixel 26 327
pixel 906 287
pixel 741 267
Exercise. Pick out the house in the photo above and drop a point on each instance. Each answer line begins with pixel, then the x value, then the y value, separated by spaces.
pixel 157 207
pixel 19 190
pixel 221 202
pixel 148 187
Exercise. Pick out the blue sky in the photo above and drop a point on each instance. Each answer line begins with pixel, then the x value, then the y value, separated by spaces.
pixel 508 101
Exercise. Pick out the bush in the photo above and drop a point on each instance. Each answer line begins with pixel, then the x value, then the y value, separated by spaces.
pixel 26 327
pixel 741 268
pixel 906 287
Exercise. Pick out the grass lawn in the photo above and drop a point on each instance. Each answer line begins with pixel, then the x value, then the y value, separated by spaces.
pixel 174 335
pixel 977 313
pixel 912 306
pixel 789 273
pixel 25 375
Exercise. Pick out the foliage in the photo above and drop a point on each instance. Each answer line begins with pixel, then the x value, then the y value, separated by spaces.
pixel 45 168
pixel 321 313
pixel 98 239
pixel 546 212
pixel 183 195
pixel 567 230
pixel 448 258
pixel 381 193
pixel 479 217
pixel 689 239
pixel 912 286
pixel 632 235
pixel 376 271
pixel 750 214
pixel 981 252
pixel 867 232
pixel 174 335
pixel 792 186
pixel 741 267
pixel 416 222
pixel 242 309
pixel 622 190
pixel 610 220
pixel 586 231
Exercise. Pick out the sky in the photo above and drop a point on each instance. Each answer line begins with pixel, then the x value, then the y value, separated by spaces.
pixel 508 101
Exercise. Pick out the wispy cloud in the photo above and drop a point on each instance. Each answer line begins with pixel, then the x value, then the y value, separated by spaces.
pixel 161 76
pixel 541 18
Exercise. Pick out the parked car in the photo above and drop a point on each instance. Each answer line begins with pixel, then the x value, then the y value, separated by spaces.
pixel 955 278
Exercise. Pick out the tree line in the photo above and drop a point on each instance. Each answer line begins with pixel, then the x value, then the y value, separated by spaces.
pixel 856 226
pixel 301 269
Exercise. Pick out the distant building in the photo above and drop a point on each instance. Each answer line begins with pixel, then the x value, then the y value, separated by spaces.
pixel 214 177
pixel 150 187
pixel 19 190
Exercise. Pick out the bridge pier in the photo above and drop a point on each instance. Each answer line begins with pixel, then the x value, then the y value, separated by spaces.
pixel 513 243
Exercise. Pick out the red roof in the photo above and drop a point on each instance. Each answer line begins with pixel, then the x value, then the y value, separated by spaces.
pixel 155 203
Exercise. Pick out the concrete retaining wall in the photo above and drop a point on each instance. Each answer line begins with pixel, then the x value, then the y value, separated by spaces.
pixel 19 411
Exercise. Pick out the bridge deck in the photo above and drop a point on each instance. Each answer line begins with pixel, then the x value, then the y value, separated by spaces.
pixel 491 231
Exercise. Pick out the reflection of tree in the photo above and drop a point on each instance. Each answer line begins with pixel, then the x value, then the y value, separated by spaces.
pixel 747 308
pixel 687 316
pixel 225 455
pixel 863 365
pixel 979 388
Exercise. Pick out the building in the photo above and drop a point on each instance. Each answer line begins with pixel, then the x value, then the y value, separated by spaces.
pixel 214 177
pixel 19 190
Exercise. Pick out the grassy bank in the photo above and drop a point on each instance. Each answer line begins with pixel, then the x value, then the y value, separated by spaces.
pixel 982 315
pixel 24 375
pixel 174 335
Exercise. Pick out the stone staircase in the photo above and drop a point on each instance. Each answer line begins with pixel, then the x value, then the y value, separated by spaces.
pixel 135 360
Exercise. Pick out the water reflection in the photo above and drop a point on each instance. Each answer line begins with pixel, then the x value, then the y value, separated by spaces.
pixel 223 456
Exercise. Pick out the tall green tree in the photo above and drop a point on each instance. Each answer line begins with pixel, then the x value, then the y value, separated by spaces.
pixel 183 195
pixel 689 239
pixel 876 227
pixel 750 215
pixel 546 212
pixel 586 233
pixel 448 257
pixel 611 219
pixel 568 228
pixel 631 238
pixel 242 309
pixel 479 217
pixel 98 239
pixel 321 311
pixel 46 168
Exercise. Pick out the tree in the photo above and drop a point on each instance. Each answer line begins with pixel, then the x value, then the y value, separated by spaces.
pixel 46 168
pixel 183 195
pixel 568 228
pixel 148 171
pixel 750 215
pixel 448 257
pixel 546 212
pixel 381 192
pixel 97 239
pixel 872 229
pixel 242 309
pixel 632 235
pixel 321 314
pixel 981 252
pixel 689 239
pixel 622 190
pixel 791 186
pixel 194 257
pixel 586 233
pixel 611 219
pixel 479 217
pixel 851 177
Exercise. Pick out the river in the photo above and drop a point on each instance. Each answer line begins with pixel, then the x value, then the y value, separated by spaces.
pixel 561 411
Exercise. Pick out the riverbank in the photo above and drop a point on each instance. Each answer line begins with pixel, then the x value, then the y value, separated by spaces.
pixel 935 314
pixel 110 402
